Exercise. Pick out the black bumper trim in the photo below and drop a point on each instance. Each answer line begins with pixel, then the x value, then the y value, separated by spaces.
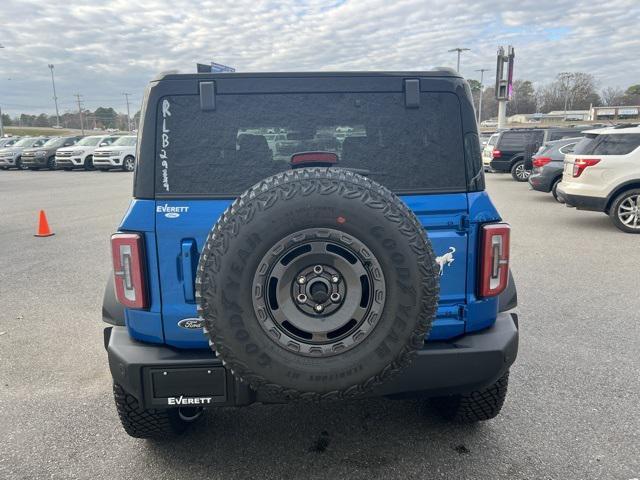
pixel 581 202
pixel 461 365
pixel 501 165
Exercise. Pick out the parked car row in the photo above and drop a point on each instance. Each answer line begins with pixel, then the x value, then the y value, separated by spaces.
pixel 596 170
pixel 510 151
pixel 102 152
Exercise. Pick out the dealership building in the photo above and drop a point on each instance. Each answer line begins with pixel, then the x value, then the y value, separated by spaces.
pixel 614 113
pixel 594 114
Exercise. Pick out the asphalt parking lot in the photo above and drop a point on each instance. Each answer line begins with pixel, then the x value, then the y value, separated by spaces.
pixel 572 411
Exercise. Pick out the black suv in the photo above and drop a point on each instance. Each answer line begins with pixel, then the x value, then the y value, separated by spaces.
pixel 360 256
pixel 514 148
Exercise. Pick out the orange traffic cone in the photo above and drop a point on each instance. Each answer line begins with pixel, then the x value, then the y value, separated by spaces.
pixel 43 226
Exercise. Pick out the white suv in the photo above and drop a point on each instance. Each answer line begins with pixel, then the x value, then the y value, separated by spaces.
pixel 603 175
pixel 81 154
pixel 120 154
pixel 487 152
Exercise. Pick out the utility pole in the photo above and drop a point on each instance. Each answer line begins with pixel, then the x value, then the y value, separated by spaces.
pixel 459 50
pixel 55 97
pixel 126 96
pixel 78 96
pixel 565 78
pixel 481 70
pixel 1 126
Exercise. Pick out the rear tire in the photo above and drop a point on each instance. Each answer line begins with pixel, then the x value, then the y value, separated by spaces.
pixel 625 211
pixel 139 422
pixel 519 172
pixel 554 189
pixel 476 406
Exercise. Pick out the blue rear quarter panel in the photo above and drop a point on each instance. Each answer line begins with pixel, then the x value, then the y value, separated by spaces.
pixel 451 220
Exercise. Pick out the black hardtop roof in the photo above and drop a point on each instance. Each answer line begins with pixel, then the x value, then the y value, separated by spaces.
pixel 439 73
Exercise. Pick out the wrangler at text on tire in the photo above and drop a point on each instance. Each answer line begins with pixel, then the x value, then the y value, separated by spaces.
pixel 318 246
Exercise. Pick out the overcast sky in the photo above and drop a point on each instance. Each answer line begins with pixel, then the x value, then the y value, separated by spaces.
pixel 101 48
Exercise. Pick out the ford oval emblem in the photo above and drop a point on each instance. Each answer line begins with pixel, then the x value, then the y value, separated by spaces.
pixel 172 215
pixel 191 323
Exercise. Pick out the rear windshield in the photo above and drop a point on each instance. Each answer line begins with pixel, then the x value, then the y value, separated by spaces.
pixel 608 144
pixel 514 141
pixel 249 137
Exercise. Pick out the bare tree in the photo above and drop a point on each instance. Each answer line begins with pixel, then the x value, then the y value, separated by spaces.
pixel 569 91
pixel 612 96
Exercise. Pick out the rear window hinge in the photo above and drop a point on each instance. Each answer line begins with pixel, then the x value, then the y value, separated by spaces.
pixel 464 222
pixel 207 96
pixel 412 93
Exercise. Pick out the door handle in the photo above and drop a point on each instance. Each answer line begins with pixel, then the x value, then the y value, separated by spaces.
pixel 188 260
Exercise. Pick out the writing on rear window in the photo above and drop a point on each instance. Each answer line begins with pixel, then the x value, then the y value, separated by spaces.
pixel 249 137
pixel 164 144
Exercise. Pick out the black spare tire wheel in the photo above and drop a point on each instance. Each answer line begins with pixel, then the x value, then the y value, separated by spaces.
pixel 317 283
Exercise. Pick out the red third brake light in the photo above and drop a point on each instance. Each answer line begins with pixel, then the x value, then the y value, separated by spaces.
pixel 582 163
pixel 540 161
pixel 496 153
pixel 313 159
pixel 494 266
pixel 127 252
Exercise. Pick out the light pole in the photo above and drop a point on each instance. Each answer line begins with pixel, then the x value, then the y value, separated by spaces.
pixel 126 96
pixel 565 78
pixel 55 97
pixel 1 126
pixel 459 50
pixel 481 70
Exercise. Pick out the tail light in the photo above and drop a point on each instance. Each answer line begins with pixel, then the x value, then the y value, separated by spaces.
pixel 494 266
pixel 540 161
pixel 496 153
pixel 582 163
pixel 127 250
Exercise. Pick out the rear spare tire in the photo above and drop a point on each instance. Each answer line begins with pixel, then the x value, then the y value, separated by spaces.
pixel 317 284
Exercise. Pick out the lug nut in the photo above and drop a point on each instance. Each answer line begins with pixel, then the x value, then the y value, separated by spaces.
pixel 301 280
pixel 317 269
pixel 302 298
pixel 335 279
pixel 335 297
pixel 319 308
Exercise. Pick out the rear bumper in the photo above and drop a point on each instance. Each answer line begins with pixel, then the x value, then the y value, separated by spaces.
pixel 541 182
pixel 156 375
pixel 583 202
pixel 501 165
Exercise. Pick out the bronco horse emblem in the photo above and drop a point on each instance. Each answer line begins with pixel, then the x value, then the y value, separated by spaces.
pixel 446 259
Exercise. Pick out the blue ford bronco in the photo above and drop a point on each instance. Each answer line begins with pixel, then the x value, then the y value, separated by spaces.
pixel 308 237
